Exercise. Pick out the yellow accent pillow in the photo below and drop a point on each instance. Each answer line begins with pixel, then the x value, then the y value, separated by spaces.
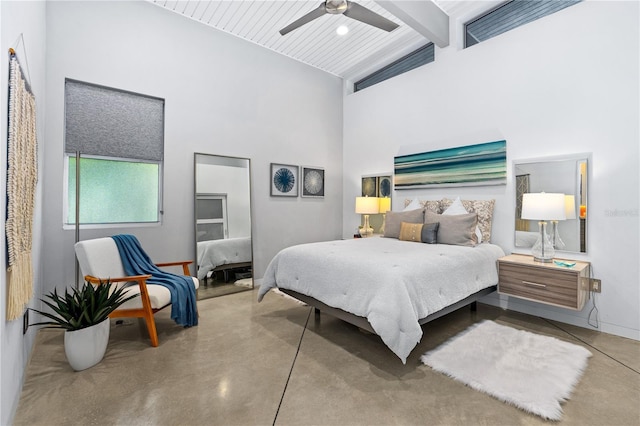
pixel 411 232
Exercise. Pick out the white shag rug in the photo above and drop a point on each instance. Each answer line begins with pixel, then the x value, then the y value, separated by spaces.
pixel 245 282
pixel 533 372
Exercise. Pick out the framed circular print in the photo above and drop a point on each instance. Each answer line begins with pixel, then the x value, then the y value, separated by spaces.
pixel 312 182
pixel 284 180
pixel 369 186
pixel 384 186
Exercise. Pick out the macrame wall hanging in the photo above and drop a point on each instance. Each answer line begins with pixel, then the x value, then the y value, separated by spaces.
pixel 22 177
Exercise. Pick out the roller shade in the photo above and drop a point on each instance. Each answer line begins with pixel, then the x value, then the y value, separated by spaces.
pixel 113 123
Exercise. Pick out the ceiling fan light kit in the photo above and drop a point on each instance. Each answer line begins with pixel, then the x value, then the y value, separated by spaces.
pixel 343 7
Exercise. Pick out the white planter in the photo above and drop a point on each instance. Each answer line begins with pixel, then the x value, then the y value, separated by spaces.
pixel 86 347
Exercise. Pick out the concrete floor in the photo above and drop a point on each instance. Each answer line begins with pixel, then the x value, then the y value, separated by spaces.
pixel 250 363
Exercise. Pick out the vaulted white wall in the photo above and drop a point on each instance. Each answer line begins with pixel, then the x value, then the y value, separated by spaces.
pixel 223 96
pixel 565 84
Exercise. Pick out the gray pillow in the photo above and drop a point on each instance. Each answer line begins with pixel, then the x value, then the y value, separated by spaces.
pixel 393 220
pixel 430 233
pixel 458 229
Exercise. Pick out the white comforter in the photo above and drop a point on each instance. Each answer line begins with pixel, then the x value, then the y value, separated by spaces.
pixel 212 254
pixel 392 283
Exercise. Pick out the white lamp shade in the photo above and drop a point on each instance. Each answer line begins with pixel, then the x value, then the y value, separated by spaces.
pixel 384 204
pixel 543 206
pixel 570 206
pixel 367 205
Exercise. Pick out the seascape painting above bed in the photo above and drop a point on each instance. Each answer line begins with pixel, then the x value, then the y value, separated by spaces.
pixel 223 224
pixel 471 165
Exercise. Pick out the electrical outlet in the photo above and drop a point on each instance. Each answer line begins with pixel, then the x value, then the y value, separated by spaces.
pixel 595 285
pixel 25 321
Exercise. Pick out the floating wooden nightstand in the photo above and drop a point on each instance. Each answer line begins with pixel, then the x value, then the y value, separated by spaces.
pixel 520 276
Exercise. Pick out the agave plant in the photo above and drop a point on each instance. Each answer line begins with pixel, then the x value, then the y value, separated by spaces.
pixel 84 307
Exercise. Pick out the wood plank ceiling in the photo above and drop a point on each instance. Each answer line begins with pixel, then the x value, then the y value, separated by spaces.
pixel 352 56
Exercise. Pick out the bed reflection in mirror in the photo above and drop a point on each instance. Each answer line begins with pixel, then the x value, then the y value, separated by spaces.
pixel 223 224
pixel 567 175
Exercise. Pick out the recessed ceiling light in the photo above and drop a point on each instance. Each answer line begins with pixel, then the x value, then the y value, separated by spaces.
pixel 342 30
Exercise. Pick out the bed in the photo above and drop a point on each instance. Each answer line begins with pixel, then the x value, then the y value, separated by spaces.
pixel 386 285
pixel 223 255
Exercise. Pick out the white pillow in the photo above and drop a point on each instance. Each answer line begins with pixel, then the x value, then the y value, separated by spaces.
pixel 457 208
pixel 415 205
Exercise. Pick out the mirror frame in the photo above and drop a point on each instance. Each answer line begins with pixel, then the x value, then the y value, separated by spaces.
pixel 197 155
pixel 582 194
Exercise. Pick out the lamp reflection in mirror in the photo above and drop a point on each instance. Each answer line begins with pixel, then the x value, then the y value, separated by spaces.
pixel 570 213
pixel 366 206
pixel 542 207
pixel 384 205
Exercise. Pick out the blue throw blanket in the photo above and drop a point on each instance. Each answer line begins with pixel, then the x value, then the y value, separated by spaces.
pixel 183 292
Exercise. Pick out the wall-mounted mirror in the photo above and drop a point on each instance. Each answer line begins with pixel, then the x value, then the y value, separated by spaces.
pixel 567 175
pixel 223 224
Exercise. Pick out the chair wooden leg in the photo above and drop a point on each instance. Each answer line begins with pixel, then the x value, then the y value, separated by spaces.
pixel 151 327
pixel 148 313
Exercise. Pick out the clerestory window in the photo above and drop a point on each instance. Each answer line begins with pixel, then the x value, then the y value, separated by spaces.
pixel 413 60
pixel 510 15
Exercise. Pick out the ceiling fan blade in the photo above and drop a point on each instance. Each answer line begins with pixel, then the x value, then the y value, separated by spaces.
pixel 315 13
pixel 362 14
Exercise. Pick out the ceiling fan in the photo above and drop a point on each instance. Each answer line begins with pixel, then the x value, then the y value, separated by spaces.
pixel 346 8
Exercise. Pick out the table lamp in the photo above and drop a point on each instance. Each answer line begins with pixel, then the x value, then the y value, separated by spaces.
pixel 542 207
pixel 384 205
pixel 366 206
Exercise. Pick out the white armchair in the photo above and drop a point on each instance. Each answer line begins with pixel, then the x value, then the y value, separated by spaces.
pixel 99 261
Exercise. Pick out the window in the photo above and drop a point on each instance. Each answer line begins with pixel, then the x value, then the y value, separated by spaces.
pixel 119 137
pixel 211 217
pixel 113 191
pixel 415 59
pixel 509 16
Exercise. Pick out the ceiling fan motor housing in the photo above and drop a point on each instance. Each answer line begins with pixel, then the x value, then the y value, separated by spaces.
pixel 336 7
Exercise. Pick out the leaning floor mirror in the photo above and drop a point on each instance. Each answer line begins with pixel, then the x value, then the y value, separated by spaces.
pixel 223 224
